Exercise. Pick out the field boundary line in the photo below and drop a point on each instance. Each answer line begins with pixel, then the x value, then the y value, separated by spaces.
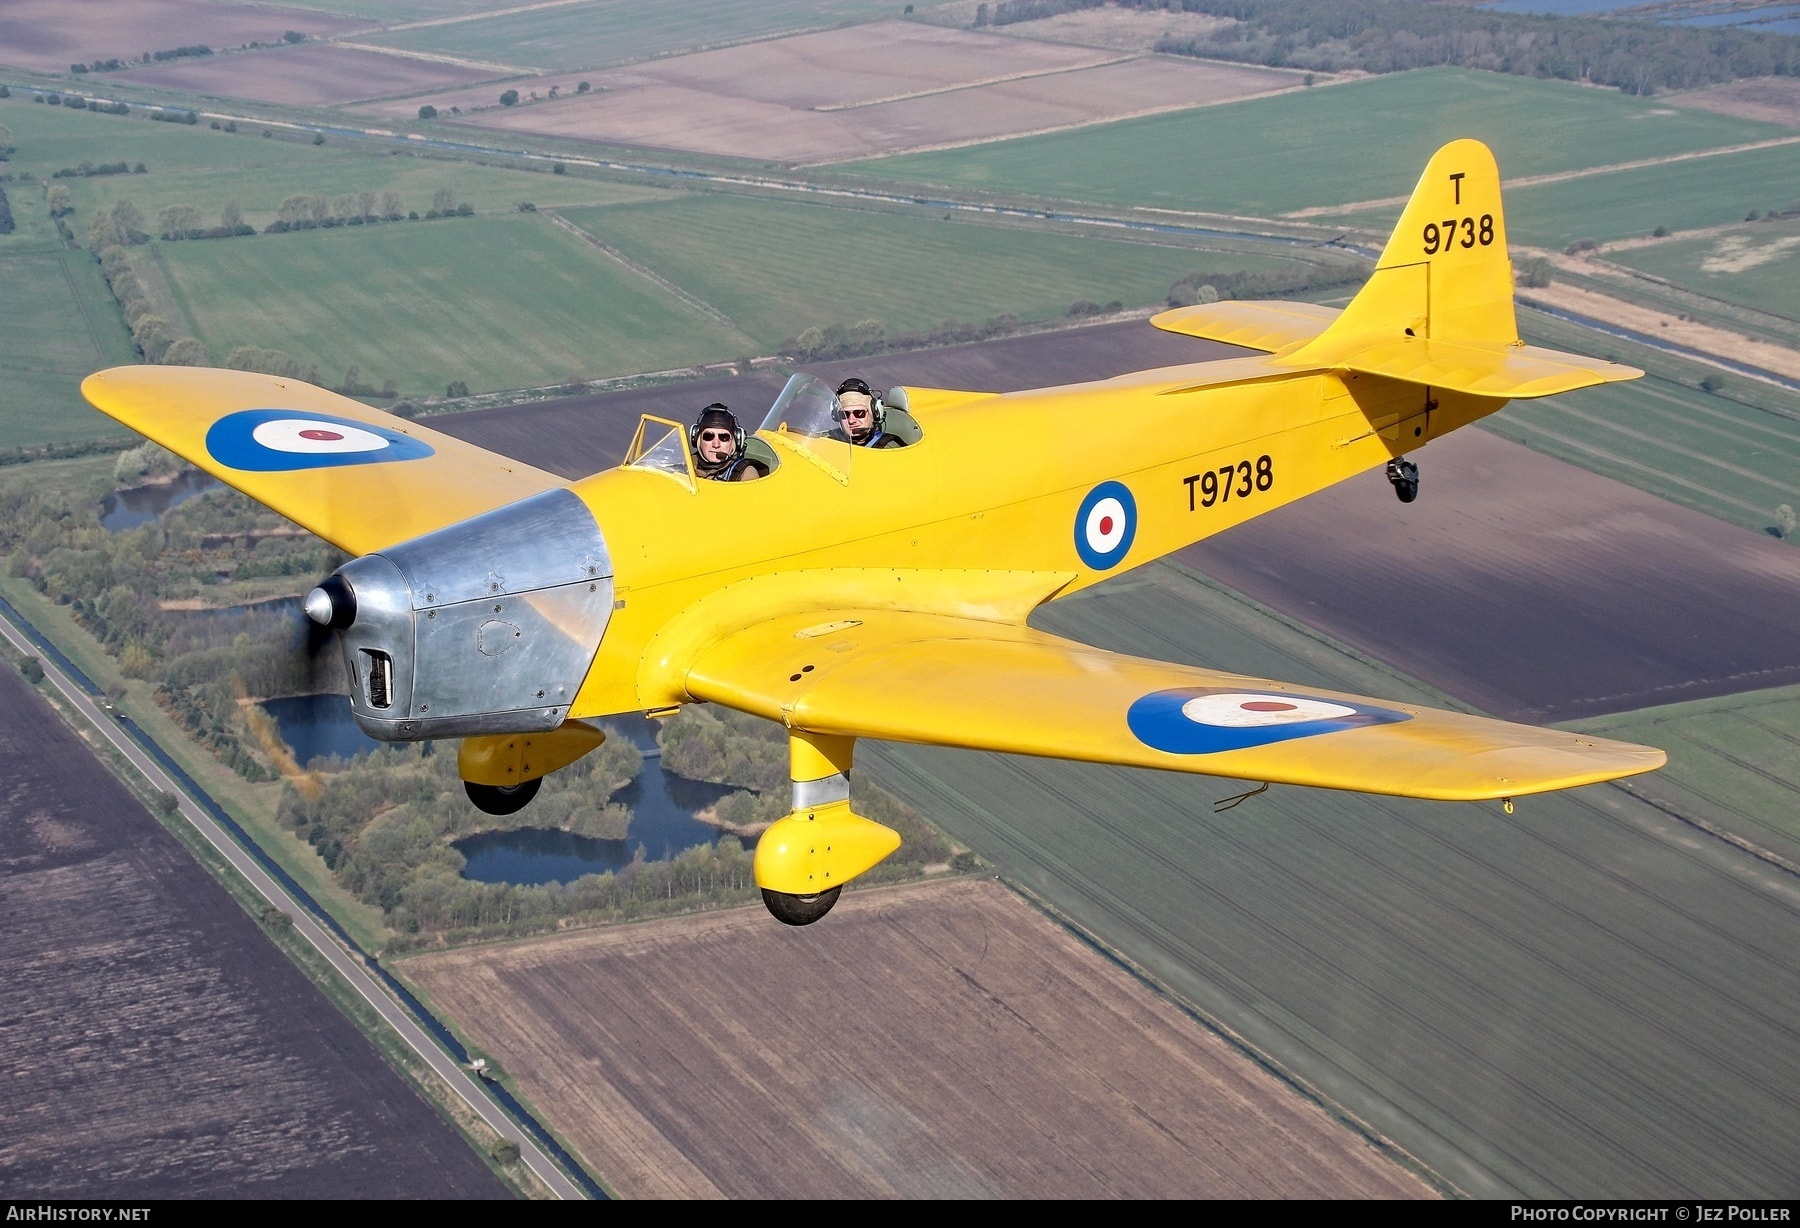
pixel 1532 181
pixel 435 57
pixel 698 304
pixel 485 14
pixel 1054 129
pixel 826 108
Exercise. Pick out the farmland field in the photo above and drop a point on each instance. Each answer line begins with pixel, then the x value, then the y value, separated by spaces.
pixel 1681 195
pixel 935 1041
pixel 60 324
pixel 1580 999
pixel 51 138
pixel 259 193
pixel 499 302
pixel 1364 140
pixel 1732 455
pixel 777 267
pixel 1524 587
pixel 156 1044
pixel 1734 764
pixel 49 36
pixel 310 74
pixel 874 89
pixel 1754 264
pixel 551 37
pixel 205 168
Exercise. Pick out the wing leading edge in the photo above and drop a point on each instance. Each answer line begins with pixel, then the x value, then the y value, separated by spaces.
pixel 934 679
pixel 360 478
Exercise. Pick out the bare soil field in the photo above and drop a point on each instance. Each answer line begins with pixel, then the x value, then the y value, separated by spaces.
pixel 842 94
pixel 310 74
pixel 1775 100
pixel 1525 586
pixel 940 1040
pixel 49 35
pixel 1518 583
pixel 154 1043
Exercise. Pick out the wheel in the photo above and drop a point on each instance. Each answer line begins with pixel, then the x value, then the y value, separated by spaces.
pixel 502 799
pixel 1408 491
pixel 799 909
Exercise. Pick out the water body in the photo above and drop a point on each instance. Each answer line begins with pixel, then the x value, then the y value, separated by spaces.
pixel 127 509
pixel 318 727
pixel 662 804
pixel 662 807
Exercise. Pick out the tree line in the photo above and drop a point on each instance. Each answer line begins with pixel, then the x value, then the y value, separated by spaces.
pixel 1382 36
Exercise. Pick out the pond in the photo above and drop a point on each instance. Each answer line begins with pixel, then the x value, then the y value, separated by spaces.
pixel 318 726
pixel 127 509
pixel 662 804
pixel 662 807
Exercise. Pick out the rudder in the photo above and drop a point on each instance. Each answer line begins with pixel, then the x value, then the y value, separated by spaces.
pixel 1445 274
pixel 1438 310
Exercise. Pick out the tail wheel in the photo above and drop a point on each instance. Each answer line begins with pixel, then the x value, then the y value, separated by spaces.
pixel 502 799
pixel 799 909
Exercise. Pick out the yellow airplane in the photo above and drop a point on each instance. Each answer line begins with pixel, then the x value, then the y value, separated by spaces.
pixel 884 593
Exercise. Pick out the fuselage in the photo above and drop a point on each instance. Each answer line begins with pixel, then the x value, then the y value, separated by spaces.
pixel 1022 496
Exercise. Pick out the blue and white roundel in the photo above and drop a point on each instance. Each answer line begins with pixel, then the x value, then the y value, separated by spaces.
pixel 1105 525
pixel 274 440
pixel 1207 720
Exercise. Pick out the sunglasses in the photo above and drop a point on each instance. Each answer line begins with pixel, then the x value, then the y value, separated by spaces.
pixel 715 436
pixel 856 413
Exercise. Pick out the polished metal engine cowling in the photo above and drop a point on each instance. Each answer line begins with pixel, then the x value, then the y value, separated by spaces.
pixel 487 626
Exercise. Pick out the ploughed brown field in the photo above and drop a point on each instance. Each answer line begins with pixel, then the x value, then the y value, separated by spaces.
pixel 1774 99
pixel 836 95
pixel 310 74
pixel 941 1040
pixel 153 1042
pixel 50 35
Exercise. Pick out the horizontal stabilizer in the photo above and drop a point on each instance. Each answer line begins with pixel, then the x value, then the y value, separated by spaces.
pixel 1267 326
pixel 1482 369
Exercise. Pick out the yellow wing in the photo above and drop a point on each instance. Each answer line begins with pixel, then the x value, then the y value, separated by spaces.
pixel 912 677
pixel 360 478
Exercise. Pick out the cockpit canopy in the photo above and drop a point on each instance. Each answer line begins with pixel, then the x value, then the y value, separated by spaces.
pixel 806 420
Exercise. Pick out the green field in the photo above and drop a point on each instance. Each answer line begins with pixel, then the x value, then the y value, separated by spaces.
pixel 1366 140
pixel 59 325
pixel 1734 454
pixel 622 31
pixel 1734 764
pixel 206 168
pixel 1689 194
pixel 401 10
pixel 778 267
pixel 507 301
pixel 1755 264
pixel 50 138
pixel 1581 999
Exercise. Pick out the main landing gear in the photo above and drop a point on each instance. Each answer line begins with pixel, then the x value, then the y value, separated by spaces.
pixel 502 799
pixel 799 909
pixel 1405 477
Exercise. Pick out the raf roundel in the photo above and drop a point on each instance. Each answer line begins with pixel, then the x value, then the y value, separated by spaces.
pixel 1206 720
pixel 1105 525
pixel 276 440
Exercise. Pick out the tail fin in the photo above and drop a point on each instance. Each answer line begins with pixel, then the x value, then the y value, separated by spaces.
pixel 1439 308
